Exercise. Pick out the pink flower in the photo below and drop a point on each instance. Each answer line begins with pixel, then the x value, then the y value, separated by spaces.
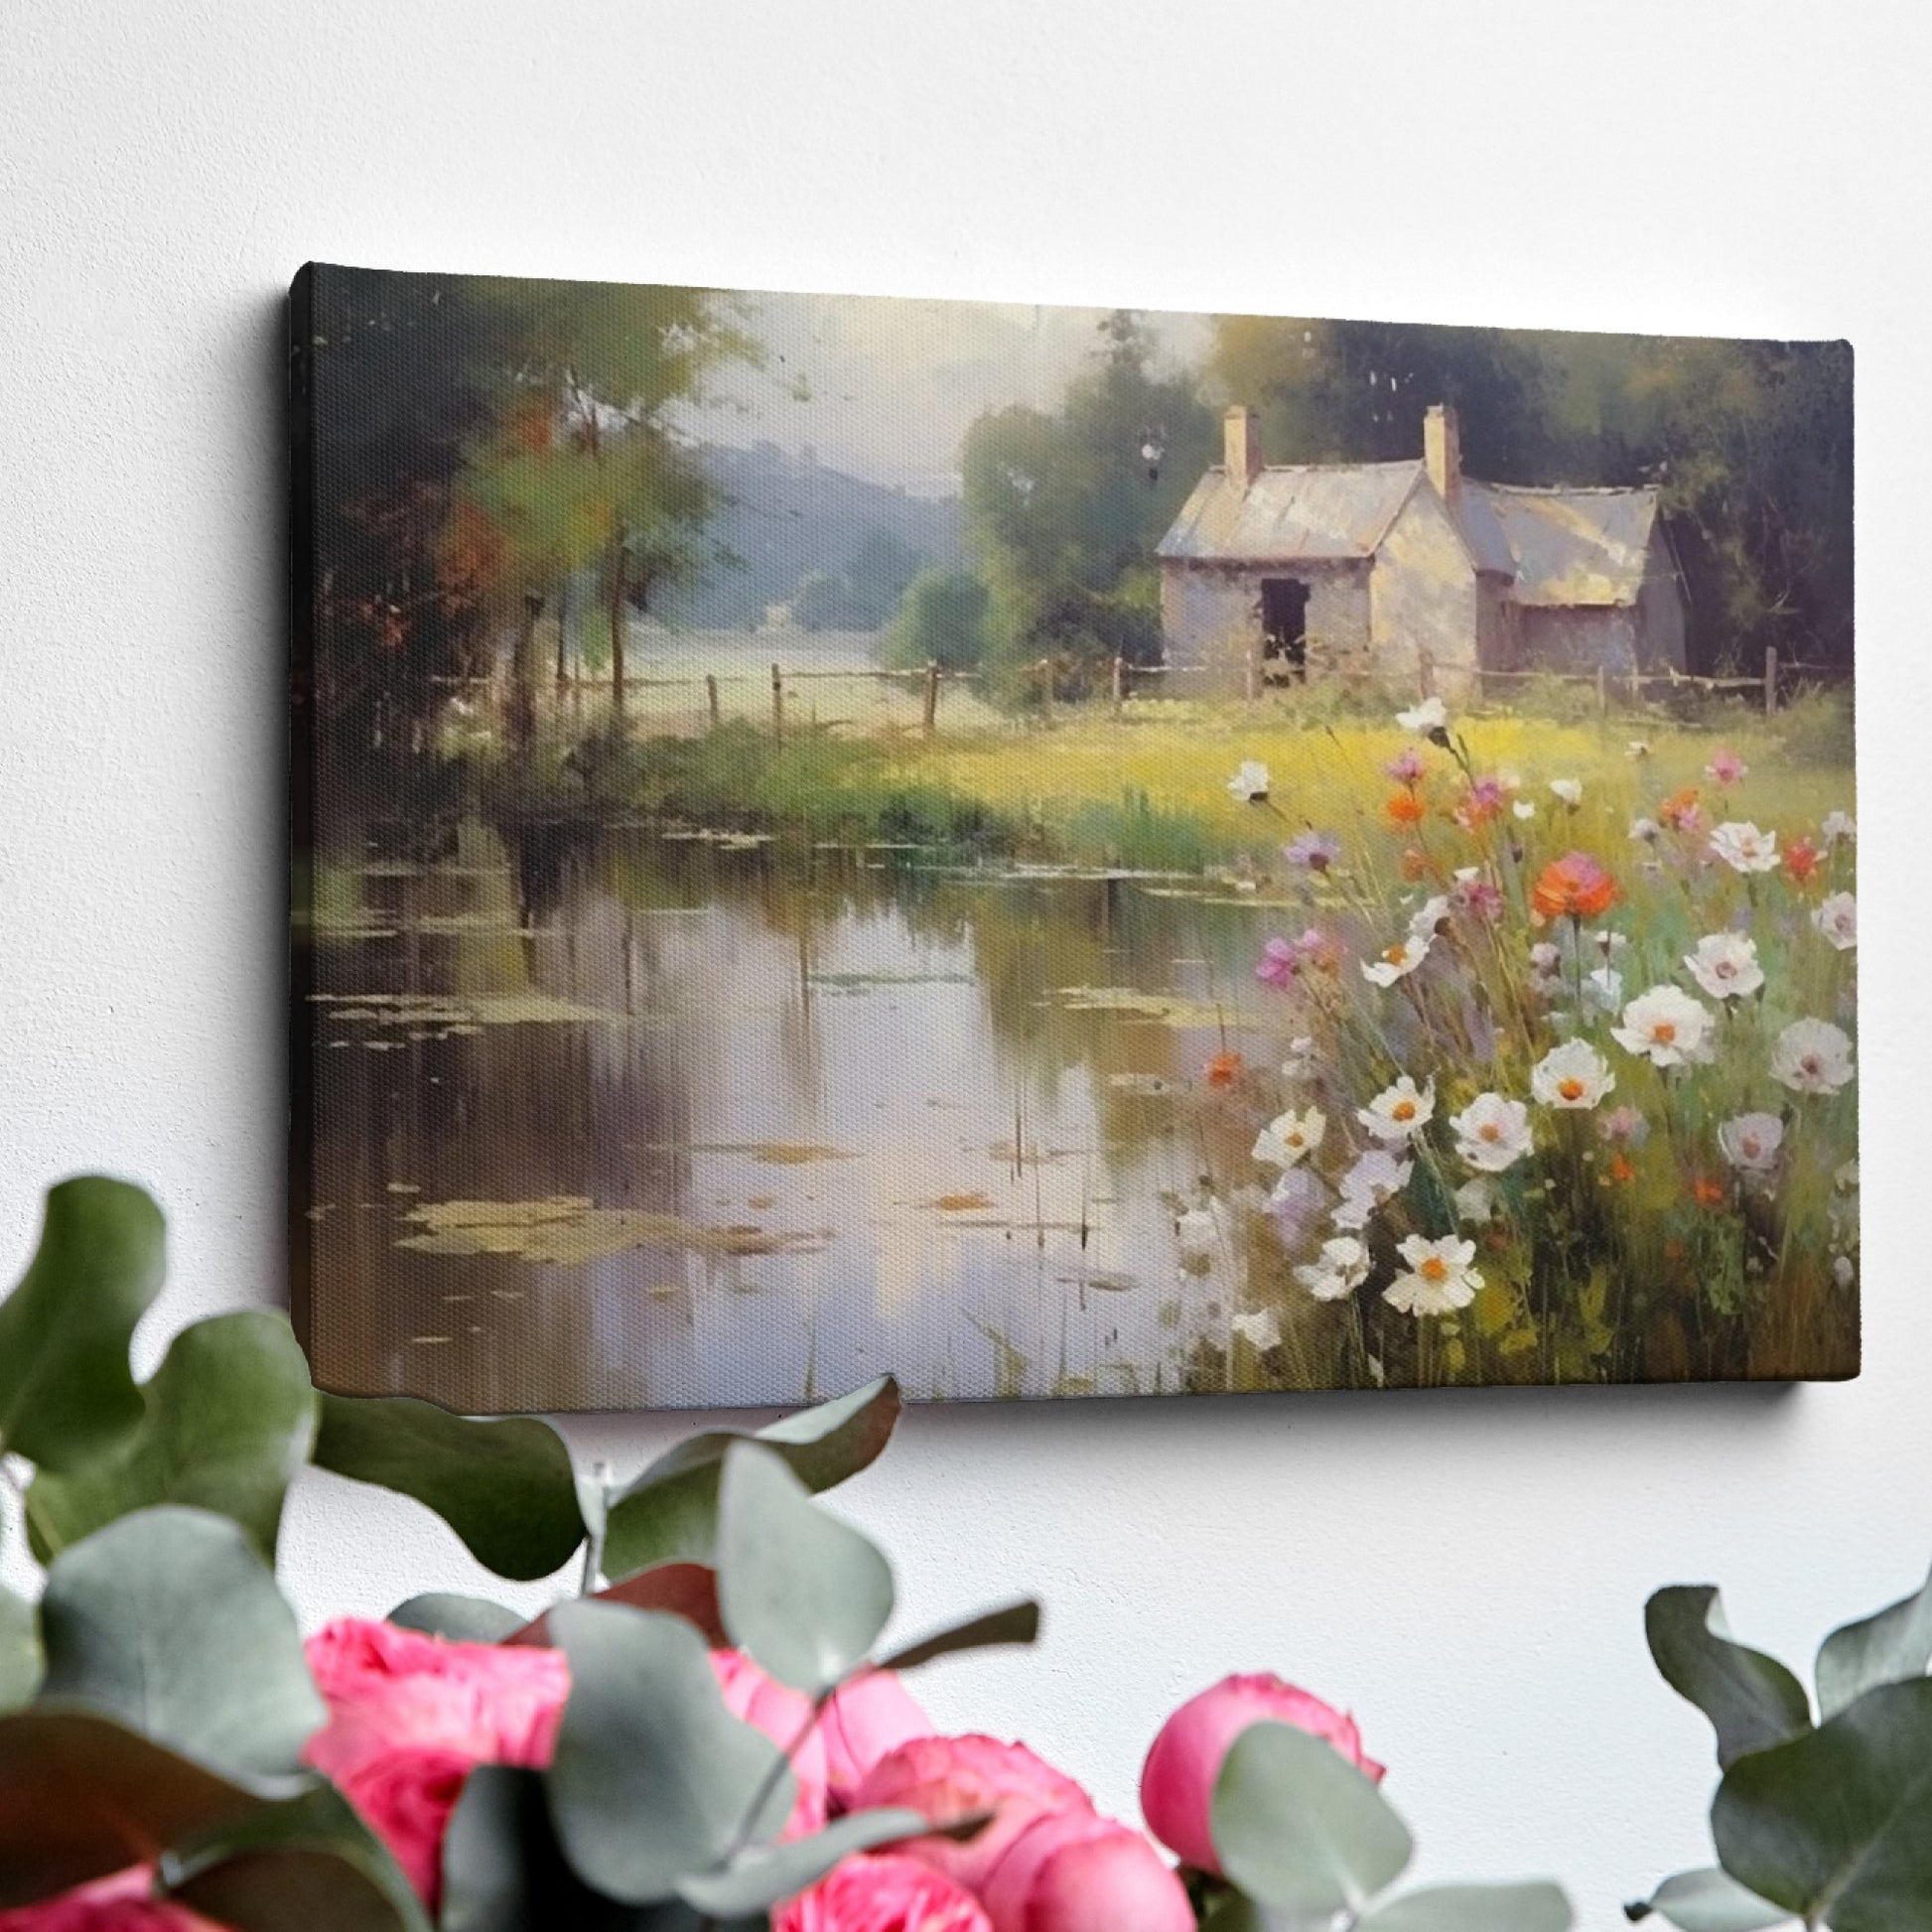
pixel 949 1778
pixel 405 1797
pixel 1406 767
pixel 882 1893
pixel 1178 1780
pixel 861 1721
pixel 1070 1871
pixel 1727 767
pixel 1279 963
pixel 784 1714
pixel 121 1903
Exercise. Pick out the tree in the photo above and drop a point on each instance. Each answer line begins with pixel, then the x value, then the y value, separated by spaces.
pixel 941 621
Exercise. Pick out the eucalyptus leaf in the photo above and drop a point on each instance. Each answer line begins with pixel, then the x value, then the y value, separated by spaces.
pixel 1532 1905
pixel 506 1488
pixel 653 1779
pixel 1894 1645
pixel 1235 1912
pixel 1014 1623
pixel 66 1393
pixel 463 1619
pixel 686 1590
pixel 82 1796
pixel 761 1874
pixel 168 1622
pixel 1709 1900
pixel 1299 1829
pixel 669 1513
pixel 1835 1826
pixel 20 1649
pixel 227 1425
pixel 1752 1700
pixel 802 1593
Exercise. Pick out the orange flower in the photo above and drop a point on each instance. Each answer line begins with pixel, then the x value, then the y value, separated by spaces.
pixel 1708 1192
pixel 1801 859
pixel 1680 810
pixel 1405 808
pixel 1575 886
pixel 1622 1173
pixel 1415 866
pixel 1224 1069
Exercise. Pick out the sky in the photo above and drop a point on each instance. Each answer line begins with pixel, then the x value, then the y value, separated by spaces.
pixel 885 386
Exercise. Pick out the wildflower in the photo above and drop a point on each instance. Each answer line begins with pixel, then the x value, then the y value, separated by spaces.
pixel 1750 1141
pixel 1802 860
pixel 1439 1276
pixel 1260 1329
pixel 1480 897
pixel 1726 768
pixel 1413 864
pixel 1224 1069
pixel 1609 943
pixel 1743 848
pixel 1619 1172
pixel 1398 961
pixel 1524 809
pixel 1250 782
pixel 1622 1127
pixel 1574 1075
pixel 1428 918
pixel 1399 1112
pixel 1569 791
pixel 1705 1191
pixel 1575 886
pixel 1843 1272
pixel 1545 960
pixel 1341 1269
pixel 1427 717
pixel 1296 1203
pixel 1289 1137
pixel 1405 808
pixel 1406 767
pixel 1279 963
pixel 1838 919
pixel 1483 801
pixel 1681 811
pixel 1375 1176
pixel 1646 831
pixel 1639 748
pixel 1299 1064
pixel 1475 1200
pixel 1492 1132
pixel 1838 828
pixel 1198 1232
pixel 1666 1027
pixel 1725 966
pixel 1603 989
pixel 1812 1056
pixel 1312 851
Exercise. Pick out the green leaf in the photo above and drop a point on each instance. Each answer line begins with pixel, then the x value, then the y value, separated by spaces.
pixel 1835 1826
pixel 506 1488
pixel 1298 1827
pixel 82 1796
pixel 20 1649
pixel 1752 1700
pixel 168 1622
pixel 802 1595
pixel 463 1619
pixel 1889 1648
pixel 670 1512
pixel 1709 1900
pixel 225 1426
pixel 1013 1623
pixel 1532 1905
pixel 307 1865
pixel 1232 1912
pixel 761 1874
pixel 653 1779
pixel 686 1590
pixel 66 1393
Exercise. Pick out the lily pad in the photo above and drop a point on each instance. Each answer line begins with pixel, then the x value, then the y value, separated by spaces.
pixel 567 1229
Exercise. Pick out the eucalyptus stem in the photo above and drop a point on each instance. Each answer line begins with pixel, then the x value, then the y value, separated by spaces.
pixel 601 1474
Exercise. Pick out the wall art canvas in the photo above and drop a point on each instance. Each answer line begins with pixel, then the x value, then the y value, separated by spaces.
pixel 1061 852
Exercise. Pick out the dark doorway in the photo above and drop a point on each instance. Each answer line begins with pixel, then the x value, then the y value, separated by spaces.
pixel 1284 626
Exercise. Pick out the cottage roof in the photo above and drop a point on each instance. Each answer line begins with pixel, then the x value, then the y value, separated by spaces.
pixel 1572 546
pixel 1305 514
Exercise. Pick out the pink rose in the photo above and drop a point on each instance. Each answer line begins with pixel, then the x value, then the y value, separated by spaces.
pixel 861 1722
pixel 782 1714
pixel 1178 1781
pixel 882 1893
pixel 405 1797
pixel 121 1903
pixel 949 1778
pixel 1069 1872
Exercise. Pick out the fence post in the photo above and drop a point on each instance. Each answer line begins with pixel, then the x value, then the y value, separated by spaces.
pixel 1425 672
pixel 1045 671
pixel 778 704
pixel 1602 690
pixel 1770 680
pixel 711 697
pixel 931 718
pixel 1120 684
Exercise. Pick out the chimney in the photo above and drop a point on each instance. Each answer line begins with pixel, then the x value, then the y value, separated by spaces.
pixel 1442 451
pixel 1241 441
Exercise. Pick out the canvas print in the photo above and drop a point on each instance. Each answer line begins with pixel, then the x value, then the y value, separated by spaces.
pixel 1061 853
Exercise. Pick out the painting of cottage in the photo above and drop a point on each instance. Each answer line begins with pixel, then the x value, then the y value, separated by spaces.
pixel 1411 571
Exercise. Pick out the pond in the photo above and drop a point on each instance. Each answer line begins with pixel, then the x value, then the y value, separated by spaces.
pixel 619 1118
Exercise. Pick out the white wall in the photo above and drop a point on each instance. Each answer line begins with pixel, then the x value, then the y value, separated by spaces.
pixel 1465 1570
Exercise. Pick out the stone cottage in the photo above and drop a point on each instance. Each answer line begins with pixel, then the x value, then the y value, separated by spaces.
pixel 1364 568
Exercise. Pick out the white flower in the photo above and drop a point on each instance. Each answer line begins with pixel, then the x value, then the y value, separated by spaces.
pixel 1342 1268
pixel 1574 1075
pixel 1610 943
pixel 1439 1276
pixel 1475 1200
pixel 1838 919
pixel 1398 1113
pixel 1291 1136
pixel 1545 960
pixel 1725 965
pixel 1432 715
pixel 1492 1132
pixel 1639 748
pixel 1665 1025
pixel 1569 790
pixel 1603 989
pixel 1197 1230
pixel 1250 782
pixel 1743 848
pixel 1646 831
pixel 1428 916
pixel 1299 1064
pixel 1398 961
pixel 1375 1176
pixel 1524 809
pixel 1260 1329
pixel 1843 1272
pixel 1839 826
pixel 1750 1141
pixel 1812 1056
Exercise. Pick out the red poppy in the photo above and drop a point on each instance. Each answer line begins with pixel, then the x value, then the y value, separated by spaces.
pixel 1405 808
pixel 1575 886
pixel 1224 1069
pixel 1801 859
pixel 1708 1192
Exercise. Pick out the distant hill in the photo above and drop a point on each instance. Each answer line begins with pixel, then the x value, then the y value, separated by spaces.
pixel 836 550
